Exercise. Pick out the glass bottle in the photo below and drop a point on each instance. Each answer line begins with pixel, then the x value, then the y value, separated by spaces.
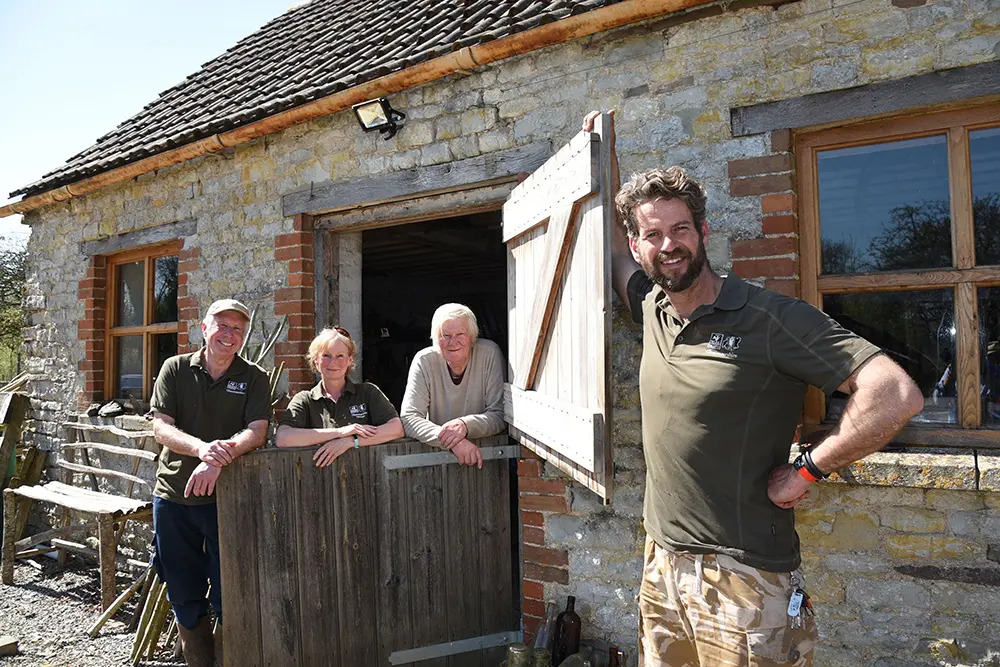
pixel 543 639
pixel 613 657
pixel 567 637
pixel 518 655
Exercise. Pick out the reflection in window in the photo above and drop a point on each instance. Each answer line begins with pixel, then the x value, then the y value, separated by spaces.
pixel 131 294
pixel 165 290
pixel 989 354
pixel 885 207
pixel 166 347
pixel 129 353
pixel 143 330
pixel 984 156
pixel 916 330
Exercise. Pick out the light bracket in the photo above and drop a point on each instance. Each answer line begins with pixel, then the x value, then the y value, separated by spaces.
pixel 379 115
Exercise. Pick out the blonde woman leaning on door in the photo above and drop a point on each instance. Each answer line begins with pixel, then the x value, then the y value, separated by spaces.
pixel 337 413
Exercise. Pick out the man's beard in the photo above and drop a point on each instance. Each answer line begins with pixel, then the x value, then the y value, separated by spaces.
pixel 696 263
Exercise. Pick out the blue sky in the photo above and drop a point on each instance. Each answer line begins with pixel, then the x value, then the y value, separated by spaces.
pixel 71 71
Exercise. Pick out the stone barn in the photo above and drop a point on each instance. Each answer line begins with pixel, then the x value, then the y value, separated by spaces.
pixel 851 149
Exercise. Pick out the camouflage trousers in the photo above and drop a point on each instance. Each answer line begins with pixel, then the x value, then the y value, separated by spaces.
pixel 708 610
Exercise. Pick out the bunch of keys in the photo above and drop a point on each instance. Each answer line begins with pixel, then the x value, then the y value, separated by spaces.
pixel 798 606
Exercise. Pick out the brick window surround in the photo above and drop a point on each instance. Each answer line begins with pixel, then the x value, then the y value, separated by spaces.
pixel 774 256
pixel 91 330
pixel 91 291
pixel 298 301
pixel 540 565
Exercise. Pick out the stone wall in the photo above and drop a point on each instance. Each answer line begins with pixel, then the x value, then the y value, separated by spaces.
pixel 673 83
pixel 895 570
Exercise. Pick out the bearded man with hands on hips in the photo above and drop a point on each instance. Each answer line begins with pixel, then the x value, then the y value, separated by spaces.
pixel 724 372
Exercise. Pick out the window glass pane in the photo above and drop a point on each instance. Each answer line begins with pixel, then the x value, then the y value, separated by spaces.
pixel 917 330
pixel 128 354
pixel 989 353
pixel 131 294
pixel 166 347
pixel 984 154
pixel 165 290
pixel 885 207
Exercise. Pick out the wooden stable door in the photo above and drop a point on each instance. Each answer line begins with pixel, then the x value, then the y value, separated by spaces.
pixel 391 555
pixel 557 227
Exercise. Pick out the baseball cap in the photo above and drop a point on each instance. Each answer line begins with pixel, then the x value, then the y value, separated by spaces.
pixel 222 305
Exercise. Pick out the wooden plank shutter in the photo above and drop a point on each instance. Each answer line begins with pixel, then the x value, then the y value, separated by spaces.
pixel 556 225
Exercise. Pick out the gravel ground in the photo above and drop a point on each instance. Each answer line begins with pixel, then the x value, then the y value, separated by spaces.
pixel 49 613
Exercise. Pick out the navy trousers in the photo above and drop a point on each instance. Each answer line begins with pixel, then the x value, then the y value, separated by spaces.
pixel 186 540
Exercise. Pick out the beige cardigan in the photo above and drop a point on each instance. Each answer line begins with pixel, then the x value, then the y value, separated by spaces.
pixel 431 398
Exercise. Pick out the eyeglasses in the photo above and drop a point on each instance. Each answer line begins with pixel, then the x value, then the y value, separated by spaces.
pixel 232 331
pixel 342 331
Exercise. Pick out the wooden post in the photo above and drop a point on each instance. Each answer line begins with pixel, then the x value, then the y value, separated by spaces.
pixel 107 538
pixel 30 476
pixel 7 557
pixel 13 419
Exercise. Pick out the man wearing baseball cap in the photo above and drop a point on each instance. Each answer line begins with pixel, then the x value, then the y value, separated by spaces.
pixel 209 407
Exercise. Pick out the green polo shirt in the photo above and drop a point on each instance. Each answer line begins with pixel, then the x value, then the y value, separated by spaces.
pixel 721 398
pixel 359 404
pixel 207 409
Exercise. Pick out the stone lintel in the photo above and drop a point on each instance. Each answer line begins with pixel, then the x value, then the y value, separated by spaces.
pixel 140 237
pixel 883 97
pixel 485 169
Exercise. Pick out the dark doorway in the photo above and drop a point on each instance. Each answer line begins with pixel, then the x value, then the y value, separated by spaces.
pixel 409 270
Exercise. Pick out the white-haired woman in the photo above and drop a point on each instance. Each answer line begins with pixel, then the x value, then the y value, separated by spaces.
pixel 454 392
pixel 337 413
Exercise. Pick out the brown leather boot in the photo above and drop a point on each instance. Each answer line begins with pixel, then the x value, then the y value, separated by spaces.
pixel 199 647
pixel 219 662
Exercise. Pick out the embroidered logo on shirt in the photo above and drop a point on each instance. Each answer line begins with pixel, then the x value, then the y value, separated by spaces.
pixel 235 387
pixel 359 411
pixel 725 344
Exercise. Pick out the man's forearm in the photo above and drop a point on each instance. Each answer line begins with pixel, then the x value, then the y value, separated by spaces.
pixel 880 407
pixel 177 440
pixel 249 439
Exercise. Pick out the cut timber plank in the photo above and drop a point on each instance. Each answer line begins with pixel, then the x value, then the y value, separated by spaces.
pixel 565 427
pixel 242 510
pixel 558 238
pixel 316 560
pixel 31 553
pixel 113 449
pixel 396 590
pixel 114 430
pixel 82 500
pixel 49 534
pixel 76 548
pixel 79 467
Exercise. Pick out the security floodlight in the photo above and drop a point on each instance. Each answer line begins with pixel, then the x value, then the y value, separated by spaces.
pixel 378 115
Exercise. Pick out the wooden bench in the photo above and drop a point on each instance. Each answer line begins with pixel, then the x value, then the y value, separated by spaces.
pixel 111 510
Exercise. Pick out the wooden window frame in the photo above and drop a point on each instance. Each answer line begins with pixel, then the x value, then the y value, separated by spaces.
pixel 147 254
pixel 964 277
